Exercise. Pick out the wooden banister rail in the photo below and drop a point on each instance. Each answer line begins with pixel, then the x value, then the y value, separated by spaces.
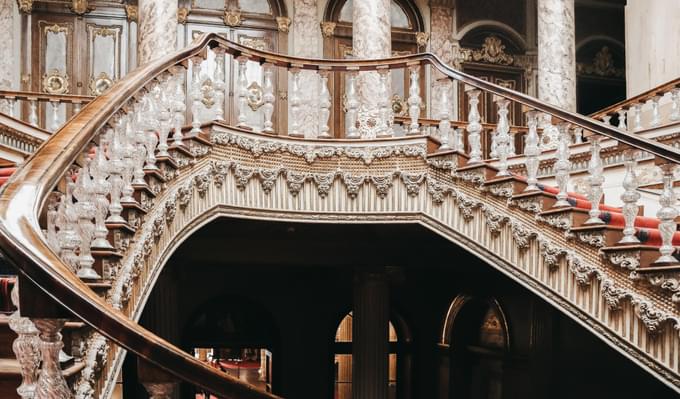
pixel 32 95
pixel 26 193
pixel 638 99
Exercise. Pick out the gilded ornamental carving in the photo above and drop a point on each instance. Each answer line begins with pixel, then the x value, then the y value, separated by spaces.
pixel 492 52
pixel 232 18
pixel 283 24
pixel 131 12
pixel 55 82
pixel 328 28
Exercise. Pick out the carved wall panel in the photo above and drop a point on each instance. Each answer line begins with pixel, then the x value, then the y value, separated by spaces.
pixel 104 56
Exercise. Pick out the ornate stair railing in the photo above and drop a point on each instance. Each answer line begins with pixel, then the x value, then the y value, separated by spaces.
pixel 96 181
pixel 651 109
pixel 43 110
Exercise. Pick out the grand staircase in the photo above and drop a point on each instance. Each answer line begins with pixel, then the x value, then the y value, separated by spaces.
pixel 90 219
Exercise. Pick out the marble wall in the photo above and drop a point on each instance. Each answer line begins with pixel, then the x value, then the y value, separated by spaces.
pixel 306 43
pixel 9 42
pixel 557 53
pixel 157 29
pixel 652 50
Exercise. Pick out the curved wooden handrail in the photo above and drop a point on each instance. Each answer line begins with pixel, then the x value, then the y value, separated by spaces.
pixel 639 99
pixel 25 194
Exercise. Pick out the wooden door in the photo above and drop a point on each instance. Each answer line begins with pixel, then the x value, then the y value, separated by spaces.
pixel 77 55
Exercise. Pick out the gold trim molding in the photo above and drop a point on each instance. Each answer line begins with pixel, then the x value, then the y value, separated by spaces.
pixel 328 28
pixel 182 15
pixel 131 12
pixel 232 18
pixel 283 24
pixel 492 52
pixel 25 6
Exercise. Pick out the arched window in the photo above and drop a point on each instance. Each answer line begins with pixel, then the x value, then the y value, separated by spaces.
pixel 398 360
pixel 476 336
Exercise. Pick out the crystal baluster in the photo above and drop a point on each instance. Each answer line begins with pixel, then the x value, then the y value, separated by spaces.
pixel 622 119
pixel 667 214
pixel 295 102
pixel 384 114
pixel 151 126
pixel 532 151
pixel 66 221
pixel 444 116
pixel 102 187
pixel 54 124
pixel 178 103
pixel 637 119
pixel 84 193
pixel 268 97
pixel 630 198
pixel 26 348
pixel 140 147
pixel 656 117
pixel 242 91
pixel 164 116
pixel 324 105
pixel 33 114
pixel 474 127
pixel 675 105
pixel 503 137
pixel 352 106
pixel 563 165
pixel 219 83
pixel 129 149
pixel 51 382
pixel 196 94
pixel 459 140
pixel 414 99
pixel 595 180
pixel 116 165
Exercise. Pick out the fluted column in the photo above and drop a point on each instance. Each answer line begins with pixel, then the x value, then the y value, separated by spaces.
pixel 370 332
pixel 157 30
pixel 557 53
pixel 371 38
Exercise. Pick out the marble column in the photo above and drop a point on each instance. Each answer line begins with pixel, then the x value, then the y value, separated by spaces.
pixel 370 336
pixel 557 53
pixel 157 29
pixel 371 38
pixel 9 72
pixel 652 52
pixel 306 43
pixel 441 45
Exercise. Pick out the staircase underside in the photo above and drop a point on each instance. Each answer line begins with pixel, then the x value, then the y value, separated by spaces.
pixel 245 175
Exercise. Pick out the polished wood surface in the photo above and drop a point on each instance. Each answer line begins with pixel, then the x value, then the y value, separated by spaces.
pixel 25 194
pixel 37 96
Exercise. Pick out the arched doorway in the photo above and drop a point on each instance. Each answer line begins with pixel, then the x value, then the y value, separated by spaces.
pixel 399 359
pixel 476 336
pixel 407 24
pixel 237 336
pixel 600 74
